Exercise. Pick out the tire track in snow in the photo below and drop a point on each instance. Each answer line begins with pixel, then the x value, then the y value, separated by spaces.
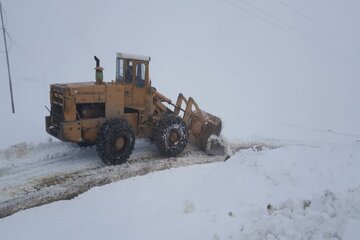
pixel 57 171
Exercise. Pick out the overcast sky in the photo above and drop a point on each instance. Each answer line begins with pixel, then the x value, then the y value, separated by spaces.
pixel 254 63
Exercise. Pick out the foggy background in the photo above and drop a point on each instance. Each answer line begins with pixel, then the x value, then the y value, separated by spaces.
pixel 270 69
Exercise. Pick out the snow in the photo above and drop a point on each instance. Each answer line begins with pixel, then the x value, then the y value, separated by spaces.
pixel 33 175
pixel 289 111
pixel 133 56
pixel 292 192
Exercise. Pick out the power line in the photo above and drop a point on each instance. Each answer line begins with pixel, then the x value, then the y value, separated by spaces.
pixel 314 43
pixel 6 18
pixel 12 40
pixel 304 35
pixel 11 45
pixel 9 48
pixel 5 24
pixel 270 23
pixel 319 129
pixel 319 25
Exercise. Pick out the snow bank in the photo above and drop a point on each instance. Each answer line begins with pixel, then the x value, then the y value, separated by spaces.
pixel 323 216
pixel 294 192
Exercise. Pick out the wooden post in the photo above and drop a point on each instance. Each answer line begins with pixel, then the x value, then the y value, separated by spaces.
pixel 7 60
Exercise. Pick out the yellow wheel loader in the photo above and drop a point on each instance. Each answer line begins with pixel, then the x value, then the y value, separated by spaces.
pixel 111 115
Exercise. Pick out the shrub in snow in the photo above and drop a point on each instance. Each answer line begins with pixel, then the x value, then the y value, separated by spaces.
pixel 189 207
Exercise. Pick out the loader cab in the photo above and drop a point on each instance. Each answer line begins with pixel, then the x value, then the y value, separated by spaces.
pixel 133 71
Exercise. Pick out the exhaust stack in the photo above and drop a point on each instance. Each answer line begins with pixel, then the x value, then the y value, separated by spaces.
pixel 99 75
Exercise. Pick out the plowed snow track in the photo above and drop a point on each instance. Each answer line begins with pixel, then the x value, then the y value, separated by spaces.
pixel 33 175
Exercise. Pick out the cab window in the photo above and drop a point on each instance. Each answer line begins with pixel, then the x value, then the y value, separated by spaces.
pixel 128 71
pixel 119 70
pixel 124 70
pixel 140 75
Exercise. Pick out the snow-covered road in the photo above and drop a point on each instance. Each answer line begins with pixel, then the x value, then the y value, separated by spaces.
pixel 32 175
pixel 291 192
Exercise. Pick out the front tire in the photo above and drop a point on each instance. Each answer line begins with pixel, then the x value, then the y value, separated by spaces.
pixel 170 135
pixel 115 141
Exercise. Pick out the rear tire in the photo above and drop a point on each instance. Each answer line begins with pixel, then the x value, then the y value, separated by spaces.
pixel 170 135
pixel 115 141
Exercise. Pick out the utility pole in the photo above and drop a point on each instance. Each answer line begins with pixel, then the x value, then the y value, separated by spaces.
pixel 7 59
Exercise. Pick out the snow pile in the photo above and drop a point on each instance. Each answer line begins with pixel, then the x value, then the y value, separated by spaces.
pixel 293 192
pixel 325 216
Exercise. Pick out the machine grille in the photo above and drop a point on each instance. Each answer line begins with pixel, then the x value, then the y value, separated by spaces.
pixel 57 115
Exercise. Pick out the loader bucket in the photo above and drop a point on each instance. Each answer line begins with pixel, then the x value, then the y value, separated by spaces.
pixel 205 131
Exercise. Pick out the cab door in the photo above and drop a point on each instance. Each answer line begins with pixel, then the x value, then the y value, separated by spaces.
pixel 125 75
pixel 139 83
